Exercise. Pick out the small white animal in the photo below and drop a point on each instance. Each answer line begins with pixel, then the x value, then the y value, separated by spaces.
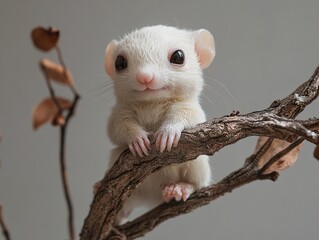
pixel 157 76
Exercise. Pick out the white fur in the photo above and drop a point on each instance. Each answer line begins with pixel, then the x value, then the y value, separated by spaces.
pixel 167 105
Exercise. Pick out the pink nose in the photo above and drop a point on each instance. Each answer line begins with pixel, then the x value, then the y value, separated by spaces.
pixel 144 76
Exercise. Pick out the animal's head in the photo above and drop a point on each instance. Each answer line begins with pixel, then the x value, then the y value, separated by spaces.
pixel 159 63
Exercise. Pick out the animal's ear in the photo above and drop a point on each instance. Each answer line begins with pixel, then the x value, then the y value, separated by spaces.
pixel 109 60
pixel 204 47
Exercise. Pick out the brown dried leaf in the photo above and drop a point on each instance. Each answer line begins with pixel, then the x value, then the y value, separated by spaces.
pixel 316 152
pixel 56 72
pixel 277 146
pixel 45 39
pixel 47 110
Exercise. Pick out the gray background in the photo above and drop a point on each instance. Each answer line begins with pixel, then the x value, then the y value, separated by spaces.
pixel 264 50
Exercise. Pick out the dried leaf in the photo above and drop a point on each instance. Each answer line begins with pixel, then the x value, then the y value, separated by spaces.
pixel 316 152
pixel 45 39
pixel 47 110
pixel 277 146
pixel 56 72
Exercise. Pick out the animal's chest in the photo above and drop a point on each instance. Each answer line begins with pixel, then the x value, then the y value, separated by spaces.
pixel 151 116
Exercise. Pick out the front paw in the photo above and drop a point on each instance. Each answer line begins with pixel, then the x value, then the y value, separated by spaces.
pixel 167 137
pixel 139 144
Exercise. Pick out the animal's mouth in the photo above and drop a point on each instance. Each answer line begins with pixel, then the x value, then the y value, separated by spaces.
pixel 152 90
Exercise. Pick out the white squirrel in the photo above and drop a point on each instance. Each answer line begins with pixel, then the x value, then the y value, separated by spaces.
pixel 157 77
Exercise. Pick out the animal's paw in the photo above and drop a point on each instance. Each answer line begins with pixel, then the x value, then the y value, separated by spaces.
pixel 177 191
pixel 168 136
pixel 140 144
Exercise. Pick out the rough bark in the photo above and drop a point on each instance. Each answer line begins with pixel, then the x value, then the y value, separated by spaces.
pixel 204 139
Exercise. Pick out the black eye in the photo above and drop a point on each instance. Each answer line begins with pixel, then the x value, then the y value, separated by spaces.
pixel 177 57
pixel 120 63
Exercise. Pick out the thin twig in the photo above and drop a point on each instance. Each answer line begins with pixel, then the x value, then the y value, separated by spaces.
pixel 280 154
pixel 59 53
pixel 4 228
pixel 65 183
pixel 63 131
pixel 51 90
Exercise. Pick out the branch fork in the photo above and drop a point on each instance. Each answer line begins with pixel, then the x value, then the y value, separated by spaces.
pixel 278 147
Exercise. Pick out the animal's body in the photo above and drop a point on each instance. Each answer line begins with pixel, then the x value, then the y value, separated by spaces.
pixel 157 77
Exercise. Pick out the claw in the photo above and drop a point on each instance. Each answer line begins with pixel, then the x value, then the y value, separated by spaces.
pixel 130 146
pixel 140 144
pixel 138 149
pixel 163 142
pixel 170 142
pixel 178 191
pixel 167 138
pixel 147 143
pixel 157 142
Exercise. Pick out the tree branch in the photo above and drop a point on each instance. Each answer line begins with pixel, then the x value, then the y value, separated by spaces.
pixel 204 139
pixel 4 228
pixel 46 40
pixel 63 169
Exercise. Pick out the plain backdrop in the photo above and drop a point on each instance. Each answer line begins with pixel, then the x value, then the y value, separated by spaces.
pixel 265 49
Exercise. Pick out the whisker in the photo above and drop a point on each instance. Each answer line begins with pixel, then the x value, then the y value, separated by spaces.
pixel 100 88
pixel 209 100
pixel 211 89
pixel 220 96
pixel 209 78
pixel 222 85
pixel 99 93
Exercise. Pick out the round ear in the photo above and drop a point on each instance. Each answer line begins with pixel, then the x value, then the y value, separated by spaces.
pixel 109 60
pixel 204 47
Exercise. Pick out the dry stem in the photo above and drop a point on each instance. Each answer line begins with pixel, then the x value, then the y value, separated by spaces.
pixel 63 131
pixel 4 228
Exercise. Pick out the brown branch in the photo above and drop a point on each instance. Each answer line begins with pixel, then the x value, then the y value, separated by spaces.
pixel 65 184
pixel 45 40
pixel 60 57
pixel 63 169
pixel 51 90
pixel 279 155
pixel 244 175
pixel 204 139
pixel 248 173
pixel 4 228
pixel 63 131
